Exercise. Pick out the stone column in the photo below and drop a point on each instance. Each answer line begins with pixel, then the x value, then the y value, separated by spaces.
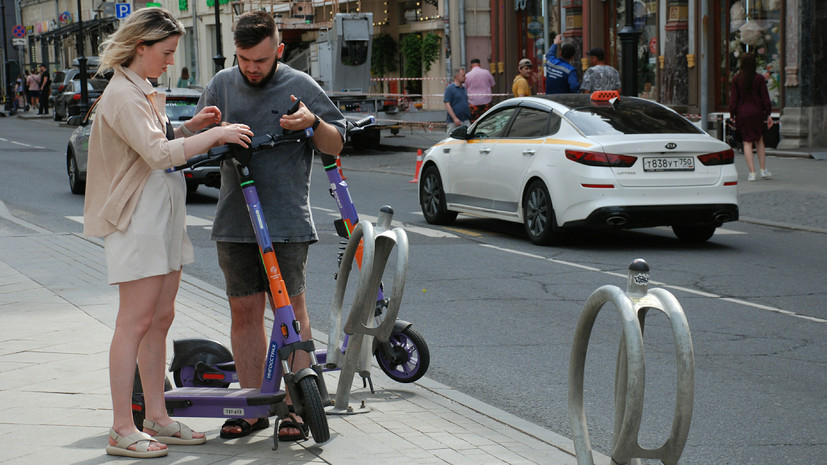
pixel 574 31
pixel 794 120
pixel 675 71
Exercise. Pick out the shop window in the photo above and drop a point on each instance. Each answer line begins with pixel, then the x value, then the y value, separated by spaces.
pixel 754 26
pixel 645 21
pixel 409 12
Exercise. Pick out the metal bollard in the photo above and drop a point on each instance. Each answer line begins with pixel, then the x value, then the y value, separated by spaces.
pixel 630 378
pixel 377 245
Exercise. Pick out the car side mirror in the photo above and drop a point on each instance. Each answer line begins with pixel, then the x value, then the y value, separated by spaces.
pixel 460 133
pixel 76 120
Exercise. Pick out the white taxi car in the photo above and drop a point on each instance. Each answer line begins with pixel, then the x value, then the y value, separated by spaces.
pixel 568 160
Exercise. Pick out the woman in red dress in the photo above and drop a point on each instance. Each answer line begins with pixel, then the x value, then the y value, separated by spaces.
pixel 750 108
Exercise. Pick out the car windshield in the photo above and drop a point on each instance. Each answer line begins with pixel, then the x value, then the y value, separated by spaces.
pixel 180 110
pixel 629 116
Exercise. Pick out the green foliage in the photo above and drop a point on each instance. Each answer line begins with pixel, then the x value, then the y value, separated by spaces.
pixel 430 49
pixel 383 55
pixel 412 64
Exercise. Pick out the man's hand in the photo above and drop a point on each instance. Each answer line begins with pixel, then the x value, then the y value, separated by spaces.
pixel 303 118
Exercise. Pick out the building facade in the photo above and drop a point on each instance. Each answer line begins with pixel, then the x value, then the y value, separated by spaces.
pixel 687 50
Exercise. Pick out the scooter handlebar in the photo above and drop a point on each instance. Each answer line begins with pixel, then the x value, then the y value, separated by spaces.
pixel 256 143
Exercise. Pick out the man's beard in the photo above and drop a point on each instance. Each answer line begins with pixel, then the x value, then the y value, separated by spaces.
pixel 265 80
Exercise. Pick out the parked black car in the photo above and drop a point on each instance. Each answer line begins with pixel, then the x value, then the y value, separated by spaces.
pixel 67 101
pixel 180 107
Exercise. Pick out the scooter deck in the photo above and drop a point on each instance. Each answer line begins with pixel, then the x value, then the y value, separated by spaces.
pixel 224 403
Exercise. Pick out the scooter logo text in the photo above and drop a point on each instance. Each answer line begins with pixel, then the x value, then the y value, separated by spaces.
pixel 271 361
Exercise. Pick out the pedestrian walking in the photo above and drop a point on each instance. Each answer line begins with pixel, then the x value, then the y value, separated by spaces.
pixel 478 84
pixel 520 86
pixel 456 102
pixel 33 85
pixel 45 90
pixel 599 76
pixel 561 76
pixel 750 108
pixel 184 80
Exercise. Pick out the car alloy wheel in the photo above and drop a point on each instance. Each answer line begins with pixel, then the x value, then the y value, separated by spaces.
pixel 538 214
pixel 432 198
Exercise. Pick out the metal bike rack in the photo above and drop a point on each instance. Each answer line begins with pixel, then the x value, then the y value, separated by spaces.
pixel 630 374
pixel 377 243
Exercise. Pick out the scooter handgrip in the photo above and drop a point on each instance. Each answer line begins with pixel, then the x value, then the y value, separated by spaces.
pixel 369 120
pixel 191 162
pixel 218 151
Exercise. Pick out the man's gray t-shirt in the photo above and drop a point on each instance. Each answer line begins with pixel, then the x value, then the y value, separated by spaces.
pixel 281 174
pixel 600 77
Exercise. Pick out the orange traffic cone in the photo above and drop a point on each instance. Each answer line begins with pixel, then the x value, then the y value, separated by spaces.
pixel 339 166
pixel 418 165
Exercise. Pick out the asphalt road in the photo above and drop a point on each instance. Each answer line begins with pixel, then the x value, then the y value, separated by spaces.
pixel 499 313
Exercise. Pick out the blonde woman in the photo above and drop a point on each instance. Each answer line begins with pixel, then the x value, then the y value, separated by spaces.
pixel 139 209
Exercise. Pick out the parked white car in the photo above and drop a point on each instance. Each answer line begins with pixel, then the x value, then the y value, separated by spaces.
pixel 554 162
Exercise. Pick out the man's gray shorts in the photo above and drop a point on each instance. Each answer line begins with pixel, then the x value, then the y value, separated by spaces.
pixel 244 273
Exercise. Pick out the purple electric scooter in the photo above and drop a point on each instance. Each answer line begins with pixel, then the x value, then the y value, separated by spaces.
pixel 404 357
pixel 213 363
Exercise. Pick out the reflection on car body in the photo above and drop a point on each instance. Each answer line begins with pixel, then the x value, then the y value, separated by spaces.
pixel 180 107
pixel 555 162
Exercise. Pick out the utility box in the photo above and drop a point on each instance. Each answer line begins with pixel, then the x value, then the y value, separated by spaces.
pixel 343 54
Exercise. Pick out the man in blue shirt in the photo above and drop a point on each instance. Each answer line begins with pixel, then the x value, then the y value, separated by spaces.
pixel 561 76
pixel 456 102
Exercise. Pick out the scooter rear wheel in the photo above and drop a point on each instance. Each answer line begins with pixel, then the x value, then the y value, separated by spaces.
pixel 314 415
pixel 138 405
pixel 409 356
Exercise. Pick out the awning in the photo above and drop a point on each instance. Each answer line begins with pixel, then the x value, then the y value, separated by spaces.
pixel 95 26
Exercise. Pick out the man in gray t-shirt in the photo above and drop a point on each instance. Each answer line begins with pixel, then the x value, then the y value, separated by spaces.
pixel 259 92
pixel 599 76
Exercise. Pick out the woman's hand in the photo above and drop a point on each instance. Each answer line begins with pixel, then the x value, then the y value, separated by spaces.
pixel 233 134
pixel 208 116
pixel 769 122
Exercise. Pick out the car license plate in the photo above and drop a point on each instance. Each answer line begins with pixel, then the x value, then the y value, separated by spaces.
pixel 669 164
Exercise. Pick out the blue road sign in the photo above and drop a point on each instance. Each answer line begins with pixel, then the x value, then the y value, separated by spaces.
pixel 122 10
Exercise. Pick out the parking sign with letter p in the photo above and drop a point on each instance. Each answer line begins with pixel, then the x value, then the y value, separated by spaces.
pixel 122 10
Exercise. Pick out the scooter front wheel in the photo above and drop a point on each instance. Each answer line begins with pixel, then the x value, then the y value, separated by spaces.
pixel 314 414
pixel 409 356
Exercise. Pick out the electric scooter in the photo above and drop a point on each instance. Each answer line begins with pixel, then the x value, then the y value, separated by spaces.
pixel 306 387
pixel 404 357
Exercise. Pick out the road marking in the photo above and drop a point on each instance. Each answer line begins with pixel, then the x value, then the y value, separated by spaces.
pixel 191 221
pixel 409 228
pixel 662 284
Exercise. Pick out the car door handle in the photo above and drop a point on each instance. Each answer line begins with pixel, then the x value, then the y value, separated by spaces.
pixel 529 152
pixel 486 150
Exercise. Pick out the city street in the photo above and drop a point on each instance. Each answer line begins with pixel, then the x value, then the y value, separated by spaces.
pixel 499 313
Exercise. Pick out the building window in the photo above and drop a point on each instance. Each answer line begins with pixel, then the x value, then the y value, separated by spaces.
pixel 648 49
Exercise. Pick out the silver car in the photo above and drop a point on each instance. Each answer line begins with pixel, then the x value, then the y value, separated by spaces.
pixel 180 107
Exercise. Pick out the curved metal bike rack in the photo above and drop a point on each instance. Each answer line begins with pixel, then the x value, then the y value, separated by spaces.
pixel 630 374
pixel 377 245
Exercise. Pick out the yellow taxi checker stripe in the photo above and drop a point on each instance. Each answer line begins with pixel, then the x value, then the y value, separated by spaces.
pixel 568 142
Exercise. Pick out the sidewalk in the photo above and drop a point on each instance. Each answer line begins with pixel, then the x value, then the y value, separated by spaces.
pixel 58 318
